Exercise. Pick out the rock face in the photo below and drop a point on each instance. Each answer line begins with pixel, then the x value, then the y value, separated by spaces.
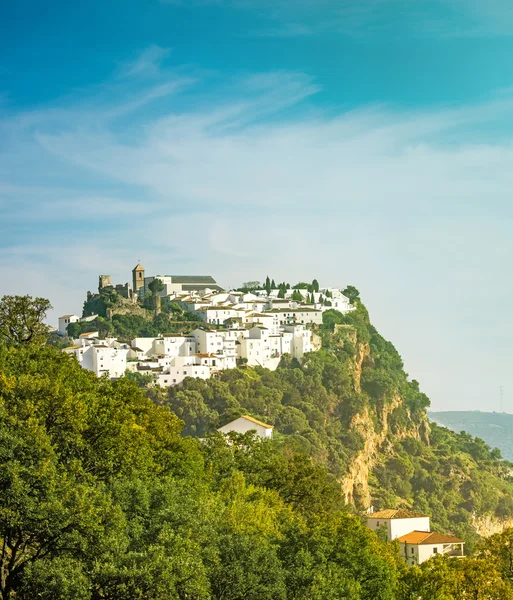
pixel 355 484
pixel 487 525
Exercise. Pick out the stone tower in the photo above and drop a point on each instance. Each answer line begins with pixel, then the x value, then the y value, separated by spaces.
pixel 138 278
pixel 104 281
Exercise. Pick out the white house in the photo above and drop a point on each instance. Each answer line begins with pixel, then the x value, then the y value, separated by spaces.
pixel 300 314
pixel 100 357
pixel 419 546
pixel 398 522
pixel 174 345
pixel 301 340
pixel 246 423
pixel 180 368
pixel 64 321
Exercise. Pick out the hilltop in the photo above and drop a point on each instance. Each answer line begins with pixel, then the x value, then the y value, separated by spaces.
pixel 496 429
pixel 340 395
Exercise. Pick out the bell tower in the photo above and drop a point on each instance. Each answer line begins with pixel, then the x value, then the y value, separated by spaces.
pixel 138 277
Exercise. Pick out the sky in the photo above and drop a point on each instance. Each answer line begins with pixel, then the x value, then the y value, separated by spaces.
pixel 362 142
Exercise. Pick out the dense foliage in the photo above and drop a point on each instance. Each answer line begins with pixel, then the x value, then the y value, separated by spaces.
pixel 100 497
pixel 128 325
pixel 352 390
pixel 103 498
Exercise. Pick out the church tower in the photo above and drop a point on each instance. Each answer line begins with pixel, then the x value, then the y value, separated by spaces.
pixel 138 278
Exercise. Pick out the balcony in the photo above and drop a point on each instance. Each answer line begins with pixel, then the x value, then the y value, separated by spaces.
pixel 453 550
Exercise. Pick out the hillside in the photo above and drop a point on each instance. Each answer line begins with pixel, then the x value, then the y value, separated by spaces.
pixel 353 409
pixel 496 429
pixel 103 497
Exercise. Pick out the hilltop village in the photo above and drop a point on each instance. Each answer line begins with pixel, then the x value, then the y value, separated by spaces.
pixel 256 325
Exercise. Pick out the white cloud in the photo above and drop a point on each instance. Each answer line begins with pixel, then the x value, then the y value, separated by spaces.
pixel 147 63
pixel 438 18
pixel 413 208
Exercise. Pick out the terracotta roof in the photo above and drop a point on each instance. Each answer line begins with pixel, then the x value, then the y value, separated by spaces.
pixel 428 538
pixel 67 316
pixel 394 513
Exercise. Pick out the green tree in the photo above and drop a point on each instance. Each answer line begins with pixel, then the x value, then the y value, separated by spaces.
pixel 155 287
pixel 351 293
pixel 22 320
pixel 268 285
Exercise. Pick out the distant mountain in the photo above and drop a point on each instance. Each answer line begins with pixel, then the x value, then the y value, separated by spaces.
pixel 496 429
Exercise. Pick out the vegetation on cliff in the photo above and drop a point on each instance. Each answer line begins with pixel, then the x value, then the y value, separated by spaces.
pixel 353 409
pixel 126 320
pixel 103 498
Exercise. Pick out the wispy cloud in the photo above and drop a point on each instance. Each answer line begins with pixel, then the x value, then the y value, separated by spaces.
pixel 147 64
pixel 412 206
pixel 440 18
pixel 285 30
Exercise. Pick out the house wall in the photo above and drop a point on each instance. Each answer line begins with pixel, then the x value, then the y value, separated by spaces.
pixel 410 553
pixel 64 322
pixel 178 371
pixel 145 344
pixel 399 527
pixel 175 346
pixel 426 551
pixel 242 425
pixel 109 360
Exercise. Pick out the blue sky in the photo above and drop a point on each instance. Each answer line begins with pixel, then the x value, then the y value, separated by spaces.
pixel 363 142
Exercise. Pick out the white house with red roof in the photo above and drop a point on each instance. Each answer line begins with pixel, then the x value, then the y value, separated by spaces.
pixel 412 530
pixel 419 546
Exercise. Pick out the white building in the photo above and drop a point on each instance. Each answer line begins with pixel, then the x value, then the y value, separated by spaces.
pixel 398 522
pixel 183 283
pixel 246 423
pixel 100 356
pixel 180 368
pixel 419 546
pixel 64 321
pixel 301 314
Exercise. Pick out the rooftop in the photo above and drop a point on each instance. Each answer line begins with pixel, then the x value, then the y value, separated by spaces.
pixel 299 309
pixel 429 537
pixel 256 421
pixel 192 279
pixel 396 513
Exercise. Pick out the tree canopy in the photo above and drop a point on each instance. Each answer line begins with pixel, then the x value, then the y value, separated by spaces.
pixel 22 320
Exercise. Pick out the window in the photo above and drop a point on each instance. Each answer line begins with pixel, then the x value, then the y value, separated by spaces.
pixel 174 380
pixel 435 550
pixel 185 372
pixel 413 550
pixel 377 523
